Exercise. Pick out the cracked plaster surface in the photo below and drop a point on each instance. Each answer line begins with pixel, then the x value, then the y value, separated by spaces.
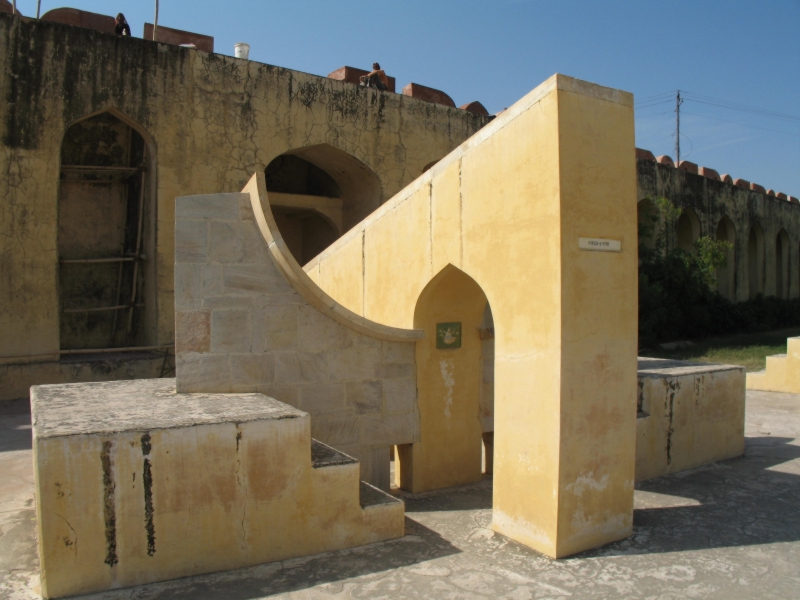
pixel 726 530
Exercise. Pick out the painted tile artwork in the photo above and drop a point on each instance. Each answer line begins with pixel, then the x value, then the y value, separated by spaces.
pixel 448 335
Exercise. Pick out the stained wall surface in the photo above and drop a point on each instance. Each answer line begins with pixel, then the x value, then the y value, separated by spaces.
pixel 210 121
pixel 508 208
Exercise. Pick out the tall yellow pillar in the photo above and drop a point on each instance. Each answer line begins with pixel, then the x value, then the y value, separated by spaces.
pixel 564 297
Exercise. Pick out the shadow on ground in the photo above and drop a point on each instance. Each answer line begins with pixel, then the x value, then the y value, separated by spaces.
pixel 325 572
pixel 737 502
pixel 15 425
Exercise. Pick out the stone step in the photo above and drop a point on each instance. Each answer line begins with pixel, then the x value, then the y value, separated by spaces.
pixel 793 346
pixel 371 497
pixel 323 456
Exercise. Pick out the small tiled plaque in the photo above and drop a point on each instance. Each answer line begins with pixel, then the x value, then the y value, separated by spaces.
pixel 448 335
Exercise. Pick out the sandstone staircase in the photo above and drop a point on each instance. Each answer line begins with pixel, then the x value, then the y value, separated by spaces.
pixel 782 373
pixel 137 483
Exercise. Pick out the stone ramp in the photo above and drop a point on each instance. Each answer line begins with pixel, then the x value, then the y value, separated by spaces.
pixel 136 483
pixel 782 373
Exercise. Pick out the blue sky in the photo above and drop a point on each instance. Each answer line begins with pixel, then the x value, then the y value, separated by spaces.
pixel 744 53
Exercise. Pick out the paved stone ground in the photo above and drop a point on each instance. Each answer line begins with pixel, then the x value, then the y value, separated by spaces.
pixel 727 530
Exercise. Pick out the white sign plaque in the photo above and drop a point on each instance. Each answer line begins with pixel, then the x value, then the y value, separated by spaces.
pixel 599 244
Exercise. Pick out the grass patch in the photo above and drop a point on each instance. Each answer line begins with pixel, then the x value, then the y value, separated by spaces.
pixel 747 349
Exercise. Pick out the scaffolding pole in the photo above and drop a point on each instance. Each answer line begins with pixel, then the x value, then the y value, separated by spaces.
pixel 137 252
pixel 73 311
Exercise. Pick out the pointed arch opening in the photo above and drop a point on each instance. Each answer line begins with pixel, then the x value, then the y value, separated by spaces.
pixel 782 264
pixel 106 234
pixel 647 220
pixel 456 408
pixel 687 229
pixel 755 260
pixel 726 274
pixel 317 193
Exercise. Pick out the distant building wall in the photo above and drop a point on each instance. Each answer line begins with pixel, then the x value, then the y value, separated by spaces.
pixel 712 201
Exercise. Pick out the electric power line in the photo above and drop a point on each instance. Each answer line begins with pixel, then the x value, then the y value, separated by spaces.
pixel 655 97
pixel 649 104
pixel 742 124
pixel 699 98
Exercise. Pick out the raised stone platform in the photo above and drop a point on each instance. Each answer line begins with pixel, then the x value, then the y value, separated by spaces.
pixel 689 414
pixel 137 483
pixel 782 373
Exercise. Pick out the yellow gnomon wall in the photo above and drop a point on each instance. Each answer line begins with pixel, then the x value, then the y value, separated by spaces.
pixel 507 208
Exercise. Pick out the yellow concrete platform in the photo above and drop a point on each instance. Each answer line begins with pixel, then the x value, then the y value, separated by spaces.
pixel 782 373
pixel 136 483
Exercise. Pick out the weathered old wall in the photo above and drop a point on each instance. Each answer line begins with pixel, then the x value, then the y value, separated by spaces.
pixel 712 200
pixel 211 121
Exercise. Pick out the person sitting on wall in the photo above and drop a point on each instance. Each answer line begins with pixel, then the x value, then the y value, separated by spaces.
pixel 121 26
pixel 377 79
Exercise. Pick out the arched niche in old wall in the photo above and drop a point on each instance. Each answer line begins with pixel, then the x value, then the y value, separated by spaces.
pixel 106 234
pixel 755 260
pixel 647 218
pixel 317 193
pixel 687 229
pixel 726 274
pixel 782 264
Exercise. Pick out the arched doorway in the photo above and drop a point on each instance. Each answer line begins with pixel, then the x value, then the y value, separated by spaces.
pixel 317 193
pixel 782 264
pixel 726 274
pixel 450 378
pixel 106 234
pixel 755 260
pixel 687 229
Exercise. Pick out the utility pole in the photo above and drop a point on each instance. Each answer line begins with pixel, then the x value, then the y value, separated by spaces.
pixel 38 8
pixel 678 102
pixel 155 23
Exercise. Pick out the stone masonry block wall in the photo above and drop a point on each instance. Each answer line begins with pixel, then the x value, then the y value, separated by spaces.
pixel 241 327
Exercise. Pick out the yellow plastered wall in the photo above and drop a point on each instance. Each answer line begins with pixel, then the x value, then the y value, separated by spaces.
pixel 507 208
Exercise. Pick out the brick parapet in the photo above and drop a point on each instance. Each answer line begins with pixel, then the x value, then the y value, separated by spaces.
pixel 709 173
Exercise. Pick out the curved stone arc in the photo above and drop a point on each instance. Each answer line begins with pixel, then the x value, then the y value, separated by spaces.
pixel 310 291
